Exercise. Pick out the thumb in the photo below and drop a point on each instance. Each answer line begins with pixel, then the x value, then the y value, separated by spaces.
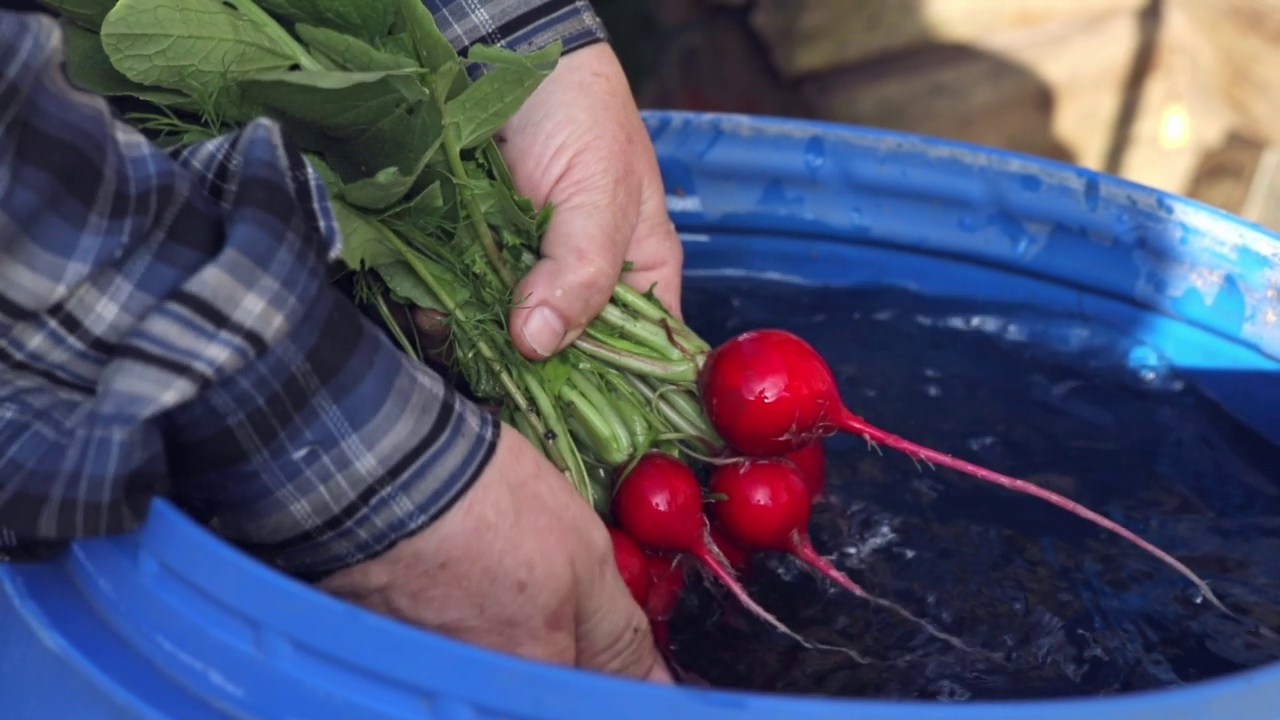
pixel 582 259
pixel 613 633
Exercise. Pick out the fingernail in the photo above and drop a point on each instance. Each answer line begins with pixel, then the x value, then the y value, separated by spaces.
pixel 544 330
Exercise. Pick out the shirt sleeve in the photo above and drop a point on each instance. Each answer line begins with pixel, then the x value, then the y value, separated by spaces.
pixel 168 328
pixel 518 25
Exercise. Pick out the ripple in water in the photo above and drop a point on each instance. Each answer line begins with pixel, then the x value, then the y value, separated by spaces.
pixel 1066 608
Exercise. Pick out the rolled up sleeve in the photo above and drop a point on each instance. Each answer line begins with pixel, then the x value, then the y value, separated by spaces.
pixel 168 328
pixel 518 25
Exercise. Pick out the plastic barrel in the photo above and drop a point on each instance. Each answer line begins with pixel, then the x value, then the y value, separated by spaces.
pixel 171 623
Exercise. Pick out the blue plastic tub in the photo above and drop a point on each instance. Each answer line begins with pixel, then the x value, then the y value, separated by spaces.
pixel 171 623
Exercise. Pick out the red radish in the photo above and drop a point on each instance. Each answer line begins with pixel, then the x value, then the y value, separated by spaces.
pixel 766 507
pixel 768 393
pixel 659 504
pixel 632 565
pixel 666 574
pixel 811 460
pixel 738 557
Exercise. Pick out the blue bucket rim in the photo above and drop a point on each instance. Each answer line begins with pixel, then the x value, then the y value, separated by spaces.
pixel 1012 159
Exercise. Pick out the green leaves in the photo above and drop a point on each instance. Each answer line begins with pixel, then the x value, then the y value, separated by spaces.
pixel 367 20
pixel 344 52
pixel 387 115
pixel 89 67
pixel 198 47
pixel 432 48
pixel 376 129
pixel 86 13
pixel 408 287
pixel 362 242
pixel 381 190
pixel 481 109
pixel 339 103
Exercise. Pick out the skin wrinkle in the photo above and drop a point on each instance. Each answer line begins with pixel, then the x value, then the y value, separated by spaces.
pixel 579 143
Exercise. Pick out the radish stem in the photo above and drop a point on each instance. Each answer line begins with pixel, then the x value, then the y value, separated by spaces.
pixel 849 422
pixel 475 215
pixel 670 370
pixel 709 560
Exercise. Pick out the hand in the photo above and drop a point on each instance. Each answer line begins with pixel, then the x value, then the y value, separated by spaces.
pixel 521 564
pixel 579 142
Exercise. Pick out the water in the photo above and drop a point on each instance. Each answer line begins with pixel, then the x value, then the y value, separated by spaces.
pixel 1068 609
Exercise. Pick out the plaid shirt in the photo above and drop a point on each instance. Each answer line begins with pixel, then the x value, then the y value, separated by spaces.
pixel 520 25
pixel 167 328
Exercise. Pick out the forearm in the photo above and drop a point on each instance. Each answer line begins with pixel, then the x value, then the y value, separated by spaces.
pixel 519 25
pixel 167 328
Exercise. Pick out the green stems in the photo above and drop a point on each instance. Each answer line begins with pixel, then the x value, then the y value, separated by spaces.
pixel 678 372
pixel 560 437
pixel 651 309
pixel 555 450
pixel 475 216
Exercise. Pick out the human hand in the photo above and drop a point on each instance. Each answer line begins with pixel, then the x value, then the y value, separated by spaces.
pixel 521 564
pixel 579 143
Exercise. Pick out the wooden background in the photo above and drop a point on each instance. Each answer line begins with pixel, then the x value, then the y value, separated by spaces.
pixel 1176 94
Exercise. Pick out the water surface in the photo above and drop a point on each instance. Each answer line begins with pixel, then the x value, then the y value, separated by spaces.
pixel 1069 609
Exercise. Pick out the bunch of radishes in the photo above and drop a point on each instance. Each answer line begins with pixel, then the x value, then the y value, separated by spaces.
pixel 772 398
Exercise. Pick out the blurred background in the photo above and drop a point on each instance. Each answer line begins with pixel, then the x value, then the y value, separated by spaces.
pixel 1175 94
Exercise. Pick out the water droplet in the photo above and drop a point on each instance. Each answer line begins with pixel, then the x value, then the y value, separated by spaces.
pixel 304 454
pixel 932 390
pixel 981 442
pixel 1091 193
pixel 1151 370
pixel 815 155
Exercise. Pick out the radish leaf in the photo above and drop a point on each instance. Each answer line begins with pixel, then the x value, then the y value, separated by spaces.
pixel 433 49
pixel 483 107
pixel 363 122
pixel 404 282
pixel 199 47
pixel 89 68
pixel 348 53
pixel 364 19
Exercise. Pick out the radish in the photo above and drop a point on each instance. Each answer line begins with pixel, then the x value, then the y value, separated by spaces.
pixel 667 575
pixel 769 393
pixel 811 460
pixel 659 504
pixel 667 579
pixel 765 506
pixel 632 565
pixel 738 557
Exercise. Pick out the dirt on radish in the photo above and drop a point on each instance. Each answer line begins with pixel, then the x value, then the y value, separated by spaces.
pixel 1056 605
